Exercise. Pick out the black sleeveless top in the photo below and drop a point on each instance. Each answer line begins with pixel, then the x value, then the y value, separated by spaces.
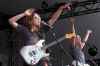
pixel 77 54
pixel 23 36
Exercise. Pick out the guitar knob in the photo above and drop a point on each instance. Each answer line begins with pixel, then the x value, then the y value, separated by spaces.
pixel 33 62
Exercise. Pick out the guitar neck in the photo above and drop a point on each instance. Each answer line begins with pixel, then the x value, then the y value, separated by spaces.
pixel 64 37
pixel 54 42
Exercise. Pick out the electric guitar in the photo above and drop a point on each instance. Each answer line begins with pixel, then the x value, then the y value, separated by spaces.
pixel 32 54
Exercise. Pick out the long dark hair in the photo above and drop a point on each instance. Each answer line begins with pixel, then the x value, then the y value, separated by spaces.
pixel 28 22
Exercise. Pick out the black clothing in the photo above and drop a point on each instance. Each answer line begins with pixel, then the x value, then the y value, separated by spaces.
pixel 77 54
pixel 24 37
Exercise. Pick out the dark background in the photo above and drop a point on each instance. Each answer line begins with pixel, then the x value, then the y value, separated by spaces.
pixel 59 51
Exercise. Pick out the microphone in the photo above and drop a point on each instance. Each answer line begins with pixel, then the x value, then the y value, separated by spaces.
pixel 44 23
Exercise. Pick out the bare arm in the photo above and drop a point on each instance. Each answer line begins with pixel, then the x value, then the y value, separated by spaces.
pixel 79 43
pixel 73 33
pixel 13 20
pixel 86 38
pixel 56 15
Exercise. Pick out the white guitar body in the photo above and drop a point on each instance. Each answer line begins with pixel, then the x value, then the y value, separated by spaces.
pixel 32 54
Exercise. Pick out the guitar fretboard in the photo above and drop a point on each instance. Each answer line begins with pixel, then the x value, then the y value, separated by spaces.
pixel 54 42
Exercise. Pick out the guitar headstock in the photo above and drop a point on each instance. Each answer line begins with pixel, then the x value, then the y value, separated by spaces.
pixel 70 35
pixel 73 33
